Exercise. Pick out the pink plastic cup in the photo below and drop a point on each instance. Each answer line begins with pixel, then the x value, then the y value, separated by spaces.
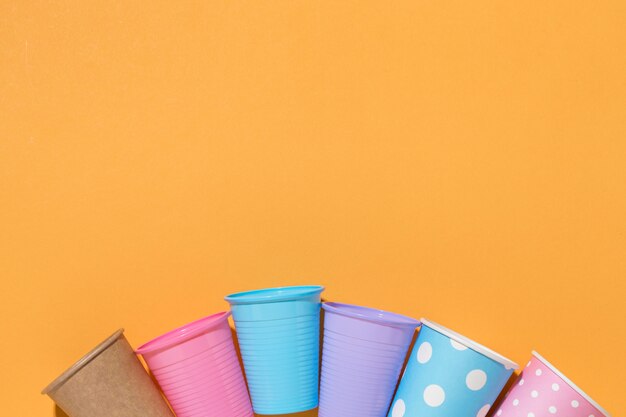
pixel 542 391
pixel 196 366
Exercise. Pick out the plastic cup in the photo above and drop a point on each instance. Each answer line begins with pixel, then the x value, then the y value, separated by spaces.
pixel 364 350
pixel 541 390
pixel 197 369
pixel 278 331
pixel 108 382
pixel 449 375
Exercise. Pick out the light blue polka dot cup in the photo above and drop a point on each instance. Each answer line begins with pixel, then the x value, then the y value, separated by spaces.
pixel 278 330
pixel 448 375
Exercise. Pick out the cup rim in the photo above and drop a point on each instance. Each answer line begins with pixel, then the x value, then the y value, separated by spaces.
pixel 79 364
pixel 475 346
pixel 274 294
pixel 373 315
pixel 182 333
pixel 570 383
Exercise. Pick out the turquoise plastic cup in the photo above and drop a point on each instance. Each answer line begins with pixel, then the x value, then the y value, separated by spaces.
pixel 278 330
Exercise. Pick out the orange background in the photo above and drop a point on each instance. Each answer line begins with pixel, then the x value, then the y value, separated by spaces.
pixel 464 162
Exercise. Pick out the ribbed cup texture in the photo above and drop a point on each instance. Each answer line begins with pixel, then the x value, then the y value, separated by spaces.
pixel 281 360
pixel 209 383
pixel 278 331
pixel 197 368
pixel 364 350
pixel 358 376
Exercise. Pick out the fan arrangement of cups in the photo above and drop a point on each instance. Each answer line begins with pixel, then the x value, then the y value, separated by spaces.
pixel 278 330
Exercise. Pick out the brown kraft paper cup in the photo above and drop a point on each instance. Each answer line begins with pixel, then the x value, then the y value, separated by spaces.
pixel 108 382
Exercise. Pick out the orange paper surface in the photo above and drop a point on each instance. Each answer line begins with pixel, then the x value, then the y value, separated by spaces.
pixel 463 161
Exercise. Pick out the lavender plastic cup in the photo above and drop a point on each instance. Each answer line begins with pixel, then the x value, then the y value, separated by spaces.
pixel 363 353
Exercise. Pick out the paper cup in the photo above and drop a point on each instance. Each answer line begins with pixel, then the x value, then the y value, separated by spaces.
pixel 364 350
pixel 449 375
pixel 278 334
pixel 197 368
pixel 108 382
pixel 542 391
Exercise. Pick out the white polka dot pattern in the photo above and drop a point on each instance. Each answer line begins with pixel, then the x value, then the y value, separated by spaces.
pixel 398 409
pixel 476 379
pixel 447 378
pixel 424 352
pixel 541 392
pixel 434 395
pixel 484 410
pixel 457 345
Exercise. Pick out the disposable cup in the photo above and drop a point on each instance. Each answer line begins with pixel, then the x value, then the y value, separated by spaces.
pixel 364 383
pixel 284 321
pixel 359 358
pixel 191 411
pixel 187 367
pixel 287 334
pixel 359 345
pixel 364 350
pixel 279 329
pixel 374 354
pixel 358 374
pixel 278 333
pixel 541 390
pixel 109 381
pixel 449 375
pixel 191 391
pixel 259 357
pixel 353 406
pixel 197 369
pixel 192 372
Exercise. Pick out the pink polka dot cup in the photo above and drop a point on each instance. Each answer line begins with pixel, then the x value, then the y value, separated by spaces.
pixel 542 391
